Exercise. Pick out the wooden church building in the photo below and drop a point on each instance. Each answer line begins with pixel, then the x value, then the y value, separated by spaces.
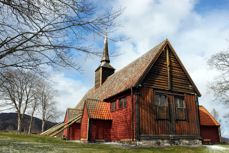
pixel 153 98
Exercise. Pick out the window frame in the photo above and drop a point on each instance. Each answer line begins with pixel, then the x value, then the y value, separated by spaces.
pixel 113 103
pixel 159 106
pixel 181 97
pixel 122 103
pixel 179 109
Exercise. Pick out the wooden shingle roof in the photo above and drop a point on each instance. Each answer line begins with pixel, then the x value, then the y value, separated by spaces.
pixel 73 112
pixel 122 79
pixel 128 77
pixel 206 119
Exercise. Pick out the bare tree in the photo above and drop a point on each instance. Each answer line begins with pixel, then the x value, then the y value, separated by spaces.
pixel 48 108
pixel 215 114
pixel 34 106
pixel 220 86
pixel 35 33
pixel 17 89
pixel 49 112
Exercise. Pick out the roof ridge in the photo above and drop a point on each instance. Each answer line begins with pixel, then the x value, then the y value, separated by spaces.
pixel 147 52
pixel 72 108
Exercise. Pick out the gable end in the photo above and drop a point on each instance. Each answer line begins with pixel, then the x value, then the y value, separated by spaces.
pixel 168 73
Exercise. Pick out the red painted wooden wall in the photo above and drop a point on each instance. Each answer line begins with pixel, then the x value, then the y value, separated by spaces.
pixel 100 130
pixel 84 126
pixel 65 132
pixel 122 121
pixel 210 132
pixel 120 128
pixel 74 132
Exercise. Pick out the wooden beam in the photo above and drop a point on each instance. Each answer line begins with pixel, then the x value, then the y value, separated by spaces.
pixel 49 131
pixel 54 133
pixel 57 131
pixel 197 113
pixel 45 132
pixel 168 68
pixel 60 127
pixel 137 94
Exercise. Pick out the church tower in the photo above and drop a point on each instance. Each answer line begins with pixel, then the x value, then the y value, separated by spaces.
pixel 105 69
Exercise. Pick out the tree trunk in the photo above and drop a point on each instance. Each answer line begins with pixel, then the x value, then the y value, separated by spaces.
pixel 43 126
pixel 30 122
pixel 19 122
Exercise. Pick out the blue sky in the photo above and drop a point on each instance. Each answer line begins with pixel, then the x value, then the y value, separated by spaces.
pixel 208 5
pixel 196 29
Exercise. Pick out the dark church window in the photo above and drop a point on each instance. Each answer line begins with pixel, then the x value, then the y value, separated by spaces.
pixel 122 103
pixel 162 107
pixel 181 113
pixel 113 106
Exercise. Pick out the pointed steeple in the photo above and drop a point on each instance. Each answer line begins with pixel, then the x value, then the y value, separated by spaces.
pixel 105 61
pixel 105 57
pixel 105 69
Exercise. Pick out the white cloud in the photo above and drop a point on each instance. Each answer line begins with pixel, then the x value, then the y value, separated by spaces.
pixel 69 91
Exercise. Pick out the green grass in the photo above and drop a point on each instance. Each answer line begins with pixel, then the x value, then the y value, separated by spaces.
pixel 19 143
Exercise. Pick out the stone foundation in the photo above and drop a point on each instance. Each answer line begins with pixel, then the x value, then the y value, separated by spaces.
pixel 164 143
pixel 155 142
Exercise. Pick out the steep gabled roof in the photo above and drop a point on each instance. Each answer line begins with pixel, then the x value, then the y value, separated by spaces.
pixel 129 76
pixel 122 79
pixel 72 113
pixel 206 119
pixel 98 110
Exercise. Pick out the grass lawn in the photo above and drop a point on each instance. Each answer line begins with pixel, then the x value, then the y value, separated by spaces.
pixel 11 142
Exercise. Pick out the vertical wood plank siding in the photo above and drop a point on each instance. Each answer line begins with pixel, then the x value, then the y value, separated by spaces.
pixel 84 126
pixel 100 130
pixel 190 126
pixel 167 76
pixel 210 132
pixel 149 125
pixel 179 80
pixel 65 132
pixel 158 75
pixel 122 121
pixel 97 78
pixel 74 131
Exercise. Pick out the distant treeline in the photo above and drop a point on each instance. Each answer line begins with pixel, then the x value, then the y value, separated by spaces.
pixel 8 122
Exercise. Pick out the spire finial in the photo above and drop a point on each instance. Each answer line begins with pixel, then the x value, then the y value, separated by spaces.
pixel 105 57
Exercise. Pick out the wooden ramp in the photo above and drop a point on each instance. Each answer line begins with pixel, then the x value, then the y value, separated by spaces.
pixel 55 130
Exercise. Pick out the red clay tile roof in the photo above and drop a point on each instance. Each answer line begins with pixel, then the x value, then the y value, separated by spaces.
pixel 206 119
pixel 98 110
